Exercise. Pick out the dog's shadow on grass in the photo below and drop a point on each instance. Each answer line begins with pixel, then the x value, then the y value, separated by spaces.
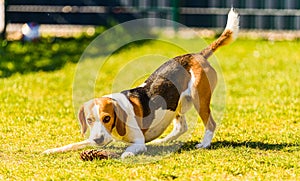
pixel 152 149
pixel 180 146
pixel 290 147
pixel 157 152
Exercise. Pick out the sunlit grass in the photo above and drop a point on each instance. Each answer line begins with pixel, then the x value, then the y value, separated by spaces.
pixel 257 137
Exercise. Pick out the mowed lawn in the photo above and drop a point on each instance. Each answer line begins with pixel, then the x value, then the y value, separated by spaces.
pixel 258 135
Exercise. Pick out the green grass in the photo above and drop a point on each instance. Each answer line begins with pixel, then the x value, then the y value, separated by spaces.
pixel 257 137
pixel 46 55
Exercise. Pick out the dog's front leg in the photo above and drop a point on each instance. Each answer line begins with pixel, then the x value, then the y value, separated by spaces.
pixel 70 147
pixel 137 147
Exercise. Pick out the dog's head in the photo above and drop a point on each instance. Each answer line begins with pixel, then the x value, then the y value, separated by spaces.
pixel 104 117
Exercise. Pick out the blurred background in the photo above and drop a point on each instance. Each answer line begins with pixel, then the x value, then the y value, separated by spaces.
pixel 56 16
pixel 45 35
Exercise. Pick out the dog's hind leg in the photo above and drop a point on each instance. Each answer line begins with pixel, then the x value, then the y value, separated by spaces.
pixel 208 121
pixel 179 127
pixel 201 95
pixel 179 123
pixel 209 133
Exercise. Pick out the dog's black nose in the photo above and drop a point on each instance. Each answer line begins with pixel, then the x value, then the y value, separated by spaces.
pixel 99 140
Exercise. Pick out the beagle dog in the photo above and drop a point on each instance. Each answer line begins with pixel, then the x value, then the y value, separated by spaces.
pixel 142 114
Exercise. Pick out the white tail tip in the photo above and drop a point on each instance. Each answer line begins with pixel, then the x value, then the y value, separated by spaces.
pixel 233 22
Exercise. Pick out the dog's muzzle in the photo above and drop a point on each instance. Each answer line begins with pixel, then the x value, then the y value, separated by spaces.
pixel 99 141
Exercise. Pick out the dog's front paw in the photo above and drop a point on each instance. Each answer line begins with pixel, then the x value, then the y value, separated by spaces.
pixel 133 150
pixel 127 154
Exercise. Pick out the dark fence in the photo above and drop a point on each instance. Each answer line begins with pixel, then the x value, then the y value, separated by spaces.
pixel 255 14
pixel 83 12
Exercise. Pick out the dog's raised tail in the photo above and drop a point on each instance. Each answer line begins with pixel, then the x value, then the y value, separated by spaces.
pixel 229 34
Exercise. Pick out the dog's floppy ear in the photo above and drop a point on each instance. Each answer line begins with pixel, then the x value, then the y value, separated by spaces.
pixel 82 121
pixel 120 119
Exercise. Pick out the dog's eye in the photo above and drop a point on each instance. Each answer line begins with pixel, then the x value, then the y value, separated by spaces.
pixel 89 120
pixel 106 119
